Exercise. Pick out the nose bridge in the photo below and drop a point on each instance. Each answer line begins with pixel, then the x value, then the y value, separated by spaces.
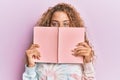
pixel 61 24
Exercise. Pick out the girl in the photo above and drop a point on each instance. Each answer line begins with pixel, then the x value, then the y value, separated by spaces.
pixel 61 15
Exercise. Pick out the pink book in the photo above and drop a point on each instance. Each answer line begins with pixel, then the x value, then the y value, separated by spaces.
pixel 56 43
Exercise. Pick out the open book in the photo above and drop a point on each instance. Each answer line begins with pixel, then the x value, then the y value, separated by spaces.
pixel 57 43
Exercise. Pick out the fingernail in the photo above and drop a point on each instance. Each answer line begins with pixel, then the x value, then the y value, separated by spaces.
pixel 72 50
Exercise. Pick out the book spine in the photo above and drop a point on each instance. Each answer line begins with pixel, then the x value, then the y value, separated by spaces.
pixel 58 45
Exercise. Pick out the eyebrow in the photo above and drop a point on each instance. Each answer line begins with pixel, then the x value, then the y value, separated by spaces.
pixel 66 20
pixel 58 21
pixel 54 20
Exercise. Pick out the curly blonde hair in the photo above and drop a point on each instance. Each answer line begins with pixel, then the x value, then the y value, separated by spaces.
pixel 74 16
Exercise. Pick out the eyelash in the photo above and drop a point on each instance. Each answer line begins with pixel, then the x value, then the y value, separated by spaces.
pixel 57 24
pixel 66 24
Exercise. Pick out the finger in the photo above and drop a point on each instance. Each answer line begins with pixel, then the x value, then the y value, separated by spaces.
pixel 33 56
pixel 33 53
pixel 36 52
pixel 75 55
pixel 38 57
pixel 81 54
pixel 83 44
pixel 34 46
pixel 81 49
pixel 80 46
pixel 77 50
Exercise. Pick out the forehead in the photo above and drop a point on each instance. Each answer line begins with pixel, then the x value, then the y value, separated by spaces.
pixel 60 15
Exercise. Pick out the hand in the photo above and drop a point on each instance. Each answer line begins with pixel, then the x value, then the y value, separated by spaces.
pixel 84 50
pixel 32 53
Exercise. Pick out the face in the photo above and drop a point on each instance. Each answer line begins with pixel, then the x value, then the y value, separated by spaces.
pixel 60 19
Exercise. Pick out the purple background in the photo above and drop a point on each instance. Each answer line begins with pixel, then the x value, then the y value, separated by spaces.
pixel 17 18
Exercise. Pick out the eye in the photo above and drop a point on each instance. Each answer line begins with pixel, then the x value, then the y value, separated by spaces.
pixel 54 24
pixel 66 24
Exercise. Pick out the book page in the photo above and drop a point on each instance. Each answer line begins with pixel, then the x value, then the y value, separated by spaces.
pixel 46 37
pixel 69 37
